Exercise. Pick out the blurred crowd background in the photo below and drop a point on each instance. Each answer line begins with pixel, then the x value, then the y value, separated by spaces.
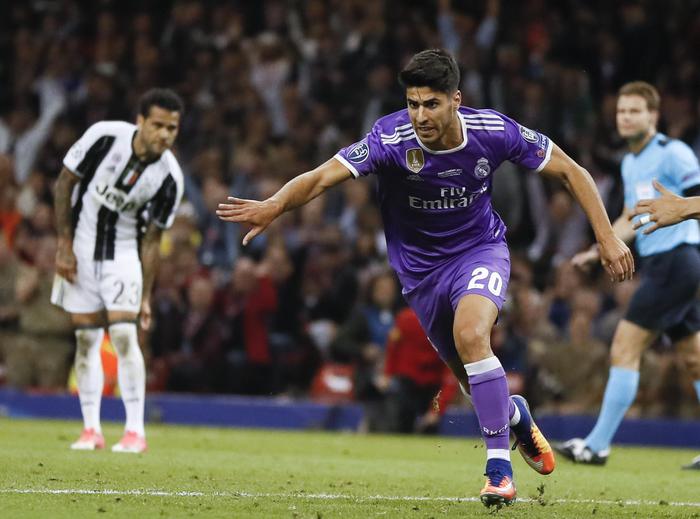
pixel 273 88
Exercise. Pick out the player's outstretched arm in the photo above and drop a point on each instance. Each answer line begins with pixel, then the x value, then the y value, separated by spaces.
pixel 614 253
pixel 150 260
pixel 295 193
pixel 66 264
pixel 668 209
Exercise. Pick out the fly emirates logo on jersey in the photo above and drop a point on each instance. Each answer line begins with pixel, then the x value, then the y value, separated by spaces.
pixel 450 198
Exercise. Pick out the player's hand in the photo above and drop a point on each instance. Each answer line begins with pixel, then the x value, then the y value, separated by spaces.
pixel 258 214
pixel 616 258
pixel 584 260
pixel 145 314
pixel 660 212
pixel 66 262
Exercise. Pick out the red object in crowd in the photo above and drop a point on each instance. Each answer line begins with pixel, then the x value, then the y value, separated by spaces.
pixel 257 307
pixel 409 354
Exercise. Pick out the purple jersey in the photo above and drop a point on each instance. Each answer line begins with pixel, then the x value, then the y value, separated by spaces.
pixel 437 204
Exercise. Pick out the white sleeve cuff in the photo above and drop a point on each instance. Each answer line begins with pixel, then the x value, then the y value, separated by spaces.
pixel 547 156
pixel 347 164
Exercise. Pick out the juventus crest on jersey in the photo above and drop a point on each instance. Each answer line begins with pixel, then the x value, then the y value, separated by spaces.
pixel 118 194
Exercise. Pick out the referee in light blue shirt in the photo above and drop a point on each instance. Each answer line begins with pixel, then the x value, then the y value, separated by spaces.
pixel 665 301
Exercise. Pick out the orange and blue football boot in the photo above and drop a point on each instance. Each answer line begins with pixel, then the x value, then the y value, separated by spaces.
pixel 531 443
pixel 499 488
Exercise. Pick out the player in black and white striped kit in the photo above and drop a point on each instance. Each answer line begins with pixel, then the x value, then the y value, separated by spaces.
pixel 119 188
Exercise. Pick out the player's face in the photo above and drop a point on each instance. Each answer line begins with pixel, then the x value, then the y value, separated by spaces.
pixel 432 113
pixel 634 119
pixel 158 131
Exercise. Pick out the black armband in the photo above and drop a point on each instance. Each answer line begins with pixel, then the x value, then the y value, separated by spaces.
pixel 692 191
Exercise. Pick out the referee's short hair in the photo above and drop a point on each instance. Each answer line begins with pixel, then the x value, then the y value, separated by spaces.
pixel 162 98
pixel 644 90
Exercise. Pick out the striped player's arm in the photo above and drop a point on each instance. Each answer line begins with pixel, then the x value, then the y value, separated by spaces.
pixel 66 264
pixel 150 260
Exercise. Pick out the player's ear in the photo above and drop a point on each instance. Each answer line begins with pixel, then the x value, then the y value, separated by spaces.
pixel 655 118
pixel 457 99
pixel 139 120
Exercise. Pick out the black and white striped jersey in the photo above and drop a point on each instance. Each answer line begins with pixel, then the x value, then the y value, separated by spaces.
pixel 117 193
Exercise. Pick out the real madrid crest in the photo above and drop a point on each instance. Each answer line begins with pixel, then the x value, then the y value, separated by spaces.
pixel 482 168
pixel 415 159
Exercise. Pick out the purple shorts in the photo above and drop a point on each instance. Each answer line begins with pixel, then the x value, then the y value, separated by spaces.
pixel 484 270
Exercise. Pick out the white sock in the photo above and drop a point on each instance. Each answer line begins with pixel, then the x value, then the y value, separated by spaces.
pixel 89 375
pixel 515 419
pixel 131 373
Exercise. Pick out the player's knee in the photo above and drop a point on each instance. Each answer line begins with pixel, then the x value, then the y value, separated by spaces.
pixel 624 355
pixel 86 339
pixel 124 338
pixel 473 338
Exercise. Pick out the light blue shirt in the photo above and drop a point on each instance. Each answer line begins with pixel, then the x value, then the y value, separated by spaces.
pixel 673 163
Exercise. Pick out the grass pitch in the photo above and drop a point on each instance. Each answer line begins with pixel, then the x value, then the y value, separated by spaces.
pixel 205 472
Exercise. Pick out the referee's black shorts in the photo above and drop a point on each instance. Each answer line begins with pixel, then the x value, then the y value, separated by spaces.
pixel 667 298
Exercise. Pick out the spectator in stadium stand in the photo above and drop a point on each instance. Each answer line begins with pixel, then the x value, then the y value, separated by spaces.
pixel 557 388
pixel 9 309
pixel 169 308
pixel 361 342
pixel 666 299
pixel 10 217
pixel 567 280
pixel 195 361
pixel 219 246
pixel 417 385
pixel 246 304
pixel 40 355
pixel 25 129
pixel 295 358
pixel 511 350
pixel 330 285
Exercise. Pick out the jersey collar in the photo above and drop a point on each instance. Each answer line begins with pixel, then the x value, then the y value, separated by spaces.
pixel 653 139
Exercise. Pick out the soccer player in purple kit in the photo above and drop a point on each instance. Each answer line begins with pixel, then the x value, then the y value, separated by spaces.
pixel 433 162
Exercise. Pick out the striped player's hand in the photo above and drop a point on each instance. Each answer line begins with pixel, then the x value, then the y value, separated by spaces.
pixel 66 262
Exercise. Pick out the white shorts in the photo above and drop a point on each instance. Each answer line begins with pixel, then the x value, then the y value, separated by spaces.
pixel 111 285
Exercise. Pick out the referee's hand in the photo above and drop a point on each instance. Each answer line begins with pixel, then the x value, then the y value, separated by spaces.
pixel 616 258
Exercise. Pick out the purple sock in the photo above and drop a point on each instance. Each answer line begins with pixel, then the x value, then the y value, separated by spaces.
pixel 491 401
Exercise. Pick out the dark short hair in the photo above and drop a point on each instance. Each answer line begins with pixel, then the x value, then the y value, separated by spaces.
pixel 162 98
pixel 643 90
pixel 433 68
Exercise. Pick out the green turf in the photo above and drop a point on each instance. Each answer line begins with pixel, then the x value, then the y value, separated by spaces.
pixel 267 474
